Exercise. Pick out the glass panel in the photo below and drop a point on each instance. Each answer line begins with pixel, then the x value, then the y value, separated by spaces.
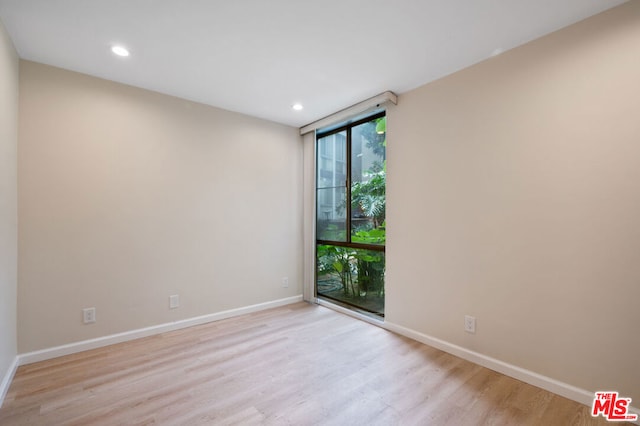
pixel 368 180
pixel 331 205
pixel 331 214
pixel 332 161
pixel 352 276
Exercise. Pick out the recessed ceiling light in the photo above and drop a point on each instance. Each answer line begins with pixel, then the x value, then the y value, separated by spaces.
pixel 297 107
pixel 120 51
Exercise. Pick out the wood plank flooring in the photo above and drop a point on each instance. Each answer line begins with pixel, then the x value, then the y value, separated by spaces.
pixel 296 365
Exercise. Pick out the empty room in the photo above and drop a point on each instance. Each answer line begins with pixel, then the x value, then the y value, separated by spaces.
pixel 195 199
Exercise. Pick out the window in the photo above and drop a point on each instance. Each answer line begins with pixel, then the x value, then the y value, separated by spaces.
pixel 350 215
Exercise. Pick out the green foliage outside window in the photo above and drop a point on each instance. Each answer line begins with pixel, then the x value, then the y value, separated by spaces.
pixel 360 272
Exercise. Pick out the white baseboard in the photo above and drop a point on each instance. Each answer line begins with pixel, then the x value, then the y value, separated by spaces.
pixel 99 342
pixel 6 380
pixel 560 388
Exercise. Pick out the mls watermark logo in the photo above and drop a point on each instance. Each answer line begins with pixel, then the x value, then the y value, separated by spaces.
pixel 612 407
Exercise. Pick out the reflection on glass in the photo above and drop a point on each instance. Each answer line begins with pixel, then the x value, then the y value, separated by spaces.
pixel 331 214
pixel 332 162
pixel 331 205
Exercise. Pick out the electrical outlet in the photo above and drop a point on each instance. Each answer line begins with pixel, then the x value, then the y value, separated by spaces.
pixel 285 282
pixel 174 301
pixel 469 324
pixel 89 315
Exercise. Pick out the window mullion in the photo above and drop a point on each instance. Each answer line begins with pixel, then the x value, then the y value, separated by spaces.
pixel 348 186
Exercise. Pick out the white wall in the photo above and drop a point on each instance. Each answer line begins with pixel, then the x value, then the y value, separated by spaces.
pixel 514 196
pixel 8 202
pixel 128 196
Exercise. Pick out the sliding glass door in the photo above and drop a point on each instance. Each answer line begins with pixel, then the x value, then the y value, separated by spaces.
pixel 350 214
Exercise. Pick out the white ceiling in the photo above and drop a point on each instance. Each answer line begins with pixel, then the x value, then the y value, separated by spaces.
pixel 258 57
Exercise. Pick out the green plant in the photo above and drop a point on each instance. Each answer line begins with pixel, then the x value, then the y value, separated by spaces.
pixel 369 197
pixel 370 272
pixel 361 272
pixel 336 259
pixel 371 236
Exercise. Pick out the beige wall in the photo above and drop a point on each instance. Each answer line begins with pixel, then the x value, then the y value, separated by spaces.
pixel 514 196
pixel 8 200
pixel 127 196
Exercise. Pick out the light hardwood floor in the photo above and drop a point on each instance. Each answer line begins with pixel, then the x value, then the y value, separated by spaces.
pixel 296 365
